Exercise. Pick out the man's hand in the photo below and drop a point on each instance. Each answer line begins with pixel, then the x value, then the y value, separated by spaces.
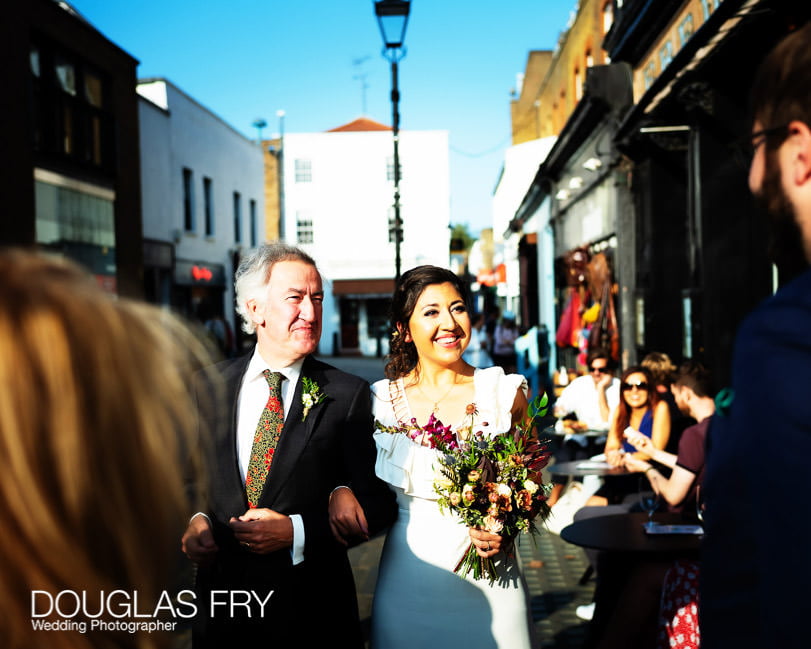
pixel 346 517
pixel 198 540
pixel 487 544
pixel 263 530
pixel 639 441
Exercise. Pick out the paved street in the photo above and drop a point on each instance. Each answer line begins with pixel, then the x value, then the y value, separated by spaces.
pixel 551 567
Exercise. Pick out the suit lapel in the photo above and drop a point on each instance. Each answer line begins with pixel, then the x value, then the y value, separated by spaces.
pixel 225 444
pixel 296 435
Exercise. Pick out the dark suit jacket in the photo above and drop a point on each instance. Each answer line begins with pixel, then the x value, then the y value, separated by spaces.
pixel 314 600
pixel 755 558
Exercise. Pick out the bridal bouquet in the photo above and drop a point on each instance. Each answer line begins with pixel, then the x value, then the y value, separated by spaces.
pixel 491 483
pixel 495 483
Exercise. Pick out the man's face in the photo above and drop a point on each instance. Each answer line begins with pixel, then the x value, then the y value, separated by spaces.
pixel 288 322
pixel 679 396
pixel 766 183
pixel 599 370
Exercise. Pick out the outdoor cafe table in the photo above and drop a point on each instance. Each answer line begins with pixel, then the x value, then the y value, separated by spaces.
pixel 586 467
pixel 626 533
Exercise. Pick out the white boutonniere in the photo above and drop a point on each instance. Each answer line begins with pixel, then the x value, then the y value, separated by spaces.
pixel 311 395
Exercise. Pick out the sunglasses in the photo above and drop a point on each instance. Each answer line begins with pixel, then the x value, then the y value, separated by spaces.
pixel 599 370
pixel 626 387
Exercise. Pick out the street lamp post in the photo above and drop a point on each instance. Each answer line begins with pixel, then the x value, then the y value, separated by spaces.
pixel 392 17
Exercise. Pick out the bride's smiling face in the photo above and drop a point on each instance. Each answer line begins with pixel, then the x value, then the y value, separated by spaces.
pixel 439 326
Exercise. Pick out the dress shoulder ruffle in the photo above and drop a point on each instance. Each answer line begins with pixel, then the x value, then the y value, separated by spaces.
pixel 401 462
pixel 413 468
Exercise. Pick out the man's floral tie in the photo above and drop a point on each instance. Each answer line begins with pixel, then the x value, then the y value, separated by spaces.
pixel 267 437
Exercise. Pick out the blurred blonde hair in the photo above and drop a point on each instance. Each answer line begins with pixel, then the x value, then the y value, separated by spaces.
pixel 660 366
pixel 96 419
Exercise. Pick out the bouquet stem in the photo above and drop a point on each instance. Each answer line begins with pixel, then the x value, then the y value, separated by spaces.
pixel 481 567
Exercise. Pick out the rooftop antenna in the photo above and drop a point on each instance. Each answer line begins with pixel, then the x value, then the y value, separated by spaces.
pixel 361 75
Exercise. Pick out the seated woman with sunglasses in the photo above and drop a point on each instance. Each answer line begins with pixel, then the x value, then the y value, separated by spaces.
pixel 640 409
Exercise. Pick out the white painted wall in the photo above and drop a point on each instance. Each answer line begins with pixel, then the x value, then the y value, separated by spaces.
pixel 178 132
pixel 521 164
pixel 349 200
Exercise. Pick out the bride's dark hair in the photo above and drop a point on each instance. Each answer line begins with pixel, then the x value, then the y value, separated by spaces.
pixel 403 355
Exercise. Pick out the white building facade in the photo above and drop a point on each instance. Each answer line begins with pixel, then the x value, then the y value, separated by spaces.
pixel 338 206
pixel 202 187
pixel 520 166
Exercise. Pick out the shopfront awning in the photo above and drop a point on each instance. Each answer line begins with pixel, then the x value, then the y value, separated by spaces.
pixel 383 287
pixel 692 56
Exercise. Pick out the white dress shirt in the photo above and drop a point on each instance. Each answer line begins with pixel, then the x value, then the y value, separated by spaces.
pixel 253 396
pixel 581 397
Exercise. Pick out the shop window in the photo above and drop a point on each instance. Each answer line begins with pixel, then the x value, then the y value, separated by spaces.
pixel 578 85
pixel 77 220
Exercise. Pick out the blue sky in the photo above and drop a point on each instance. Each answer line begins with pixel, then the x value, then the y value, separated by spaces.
pixel 245 59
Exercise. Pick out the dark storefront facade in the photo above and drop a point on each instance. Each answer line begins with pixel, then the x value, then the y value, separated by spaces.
pixel 71 171
pixel 701 259
pixel 583 183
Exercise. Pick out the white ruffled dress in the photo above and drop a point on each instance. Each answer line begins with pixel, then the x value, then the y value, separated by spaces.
pixel 419 602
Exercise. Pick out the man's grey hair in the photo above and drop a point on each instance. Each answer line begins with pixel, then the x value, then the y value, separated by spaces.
pixel 253 275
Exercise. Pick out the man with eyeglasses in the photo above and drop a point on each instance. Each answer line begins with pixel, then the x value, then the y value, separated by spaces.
pixel 584 410
pixel 755 554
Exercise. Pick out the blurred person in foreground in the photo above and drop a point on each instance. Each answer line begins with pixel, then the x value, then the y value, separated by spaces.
pixel 291 440
pixel 94 418
pixel 755 554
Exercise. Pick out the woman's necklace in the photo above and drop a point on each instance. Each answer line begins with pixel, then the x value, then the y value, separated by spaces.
pixel 435 409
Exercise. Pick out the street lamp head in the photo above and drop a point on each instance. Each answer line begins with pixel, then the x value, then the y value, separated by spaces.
pixel 392 17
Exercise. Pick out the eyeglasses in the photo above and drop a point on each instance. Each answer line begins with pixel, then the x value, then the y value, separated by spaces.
pixel 599 370
pixel 744 148
pixel 642 386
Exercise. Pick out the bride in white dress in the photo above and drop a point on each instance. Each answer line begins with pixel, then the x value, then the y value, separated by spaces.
pixel 419 600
